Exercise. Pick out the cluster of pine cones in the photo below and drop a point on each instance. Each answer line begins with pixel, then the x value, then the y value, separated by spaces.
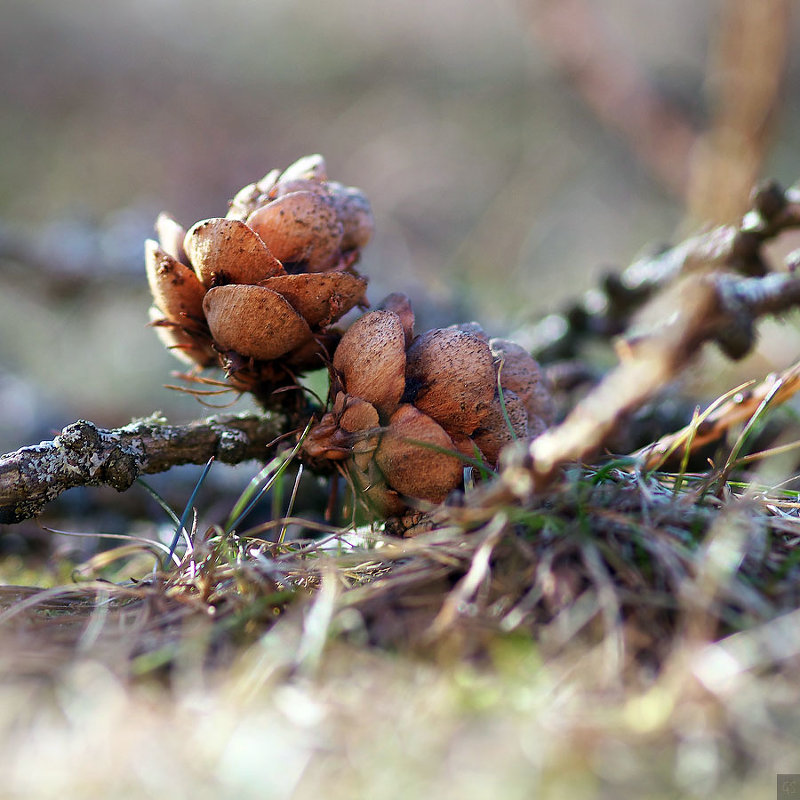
pixel 258 293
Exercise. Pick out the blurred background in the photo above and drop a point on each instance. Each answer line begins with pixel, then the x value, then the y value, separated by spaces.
pixel 511 151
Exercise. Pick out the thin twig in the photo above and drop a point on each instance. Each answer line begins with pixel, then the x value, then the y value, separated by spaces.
pixel 702 307
pixel 717 307
pixel 735 248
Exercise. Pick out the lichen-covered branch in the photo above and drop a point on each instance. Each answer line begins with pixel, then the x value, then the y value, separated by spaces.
pixel 85 455
pixel 717 307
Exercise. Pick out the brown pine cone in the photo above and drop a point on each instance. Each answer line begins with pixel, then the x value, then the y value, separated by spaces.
pixel 256 291
pixel 407 409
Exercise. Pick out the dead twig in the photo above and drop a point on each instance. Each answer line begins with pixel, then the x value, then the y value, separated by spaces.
pixel 85 455
pixel 718 307
pixel 479 570
pixel 734 248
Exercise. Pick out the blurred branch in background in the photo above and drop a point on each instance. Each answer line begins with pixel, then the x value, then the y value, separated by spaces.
pixel 745 74
pixel 72 255
pixel 712 171
pixel 613 86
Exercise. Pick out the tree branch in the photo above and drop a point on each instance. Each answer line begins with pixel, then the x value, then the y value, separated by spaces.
pixel 718 307
pixel 85 455
pixel 731 248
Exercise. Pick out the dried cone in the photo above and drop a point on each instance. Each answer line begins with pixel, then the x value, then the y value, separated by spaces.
pixel 189 349
pixel 226 251
pixel 321 300
pixel 300 228
pixel 349 429
pixel 175 288
pixel 520 373
pixel 254 321
pixel 257 291
pixel 401 305
pixel 439 398
pixel 506 421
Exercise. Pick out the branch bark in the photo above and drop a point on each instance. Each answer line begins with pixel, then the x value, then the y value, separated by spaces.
pixel 85 455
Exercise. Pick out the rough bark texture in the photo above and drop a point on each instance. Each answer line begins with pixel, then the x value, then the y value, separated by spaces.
pixel 85 455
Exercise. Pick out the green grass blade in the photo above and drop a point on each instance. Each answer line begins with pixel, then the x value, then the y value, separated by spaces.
pixel 160 500
pixel 262 483
pixel 186 511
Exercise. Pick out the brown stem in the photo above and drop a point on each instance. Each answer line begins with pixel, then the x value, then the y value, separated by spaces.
pixel 85 455
pixel 718 307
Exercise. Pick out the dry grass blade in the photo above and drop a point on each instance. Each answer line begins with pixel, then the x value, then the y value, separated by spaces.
pixel 479 571
pixel 732 408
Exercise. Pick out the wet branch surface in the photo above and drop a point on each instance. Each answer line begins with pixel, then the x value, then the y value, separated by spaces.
pixel 85 455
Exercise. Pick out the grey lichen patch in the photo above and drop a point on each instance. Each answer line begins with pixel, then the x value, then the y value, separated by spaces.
pixel 79 436
pixel 232 446
pixel 95 456
pixel 121 470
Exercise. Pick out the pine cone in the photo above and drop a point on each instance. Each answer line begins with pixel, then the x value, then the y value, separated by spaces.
pixel 257 291
pixel 405 408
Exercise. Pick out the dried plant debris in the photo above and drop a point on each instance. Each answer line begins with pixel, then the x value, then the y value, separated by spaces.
pixel 610 556
pixel 257 291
